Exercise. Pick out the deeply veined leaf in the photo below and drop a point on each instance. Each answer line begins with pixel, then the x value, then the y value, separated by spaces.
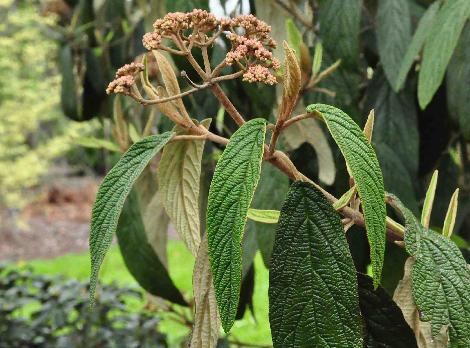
pixel 457 80
pixel 440 279
pixel 309 131
pixel 345 198
pixel 206 319
pixel 403 297
pixel 111 197
pixel 139 256
pixel 179 173
pixel 291 84
pixel 429 200
pixel 96 143
pixel 235 178
pixel 270 194
pixel 313 299
pixel 451 215
pixel 384 322
pixel 416 44
pixel 439 46
pixel 393 34
pixel 362 161
pixel 263 215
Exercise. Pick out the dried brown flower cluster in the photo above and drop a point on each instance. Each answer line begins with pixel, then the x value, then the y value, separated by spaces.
pixel 125 79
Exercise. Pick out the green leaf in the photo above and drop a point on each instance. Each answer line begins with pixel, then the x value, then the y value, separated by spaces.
pixel 440 279
pixel 317 58
pixel 96 143
pixel 235 178
pixel 439 46
pixel 111 197
pixel 362 161
pixel 458 77
pixel 179 174
pixel 264 216
pixel 313 299
pixel 139 256
pixel 393 32
pixel 416 44
pixel 270 194
pixel 384 322
pixel 429 200
pixel 451 215
pixel 68 90
pixel 294 37
pixel 340 29
pixel 345 199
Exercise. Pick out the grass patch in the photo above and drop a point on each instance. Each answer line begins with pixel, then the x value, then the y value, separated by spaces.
pixel 180 263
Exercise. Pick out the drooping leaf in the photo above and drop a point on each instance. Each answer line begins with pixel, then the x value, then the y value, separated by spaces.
pixel 365 168
pixel 341 40
pixel 439 46
pixel 309 131
pixel 393 32
pixel 384 322
pixel 270 194
pixel 206 319
pixel 458 77
pixel 416 44
pixel 429 200
pixel 111 197
pixel 313 298
pixel 140 258
pixel 235 178
pixel 440 279
pixel 449 221
pixel 263 215
pixel 403 297
pixel 396 121
pixel 179 175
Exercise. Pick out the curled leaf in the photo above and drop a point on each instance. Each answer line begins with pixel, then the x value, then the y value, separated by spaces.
pixel 451 215
pixel 292 83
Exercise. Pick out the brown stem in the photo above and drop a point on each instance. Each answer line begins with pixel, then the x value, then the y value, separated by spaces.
pixel 170 98
pixel 227 104
pixel 293 11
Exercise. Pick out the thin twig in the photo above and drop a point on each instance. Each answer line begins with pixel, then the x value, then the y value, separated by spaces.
pixel 227 104
pixel 293 11
pixel 170 98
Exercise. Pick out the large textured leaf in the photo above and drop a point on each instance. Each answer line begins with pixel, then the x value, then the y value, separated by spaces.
pixel 270 194
pixel 440 279
pixel 385 325
pixel 206 319
pixel 140 258
pixel 396 121
pixel 362 161
pixel 403 297
pixel 393 32
pixel 235 178
pixel 111 197
pixel 339 29
pixel 179 175
pixel 458 79
pixel 439 46
pixel 309 131
pixel 313 300
pixel 416 44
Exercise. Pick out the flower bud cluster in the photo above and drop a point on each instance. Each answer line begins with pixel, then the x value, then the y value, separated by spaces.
pixel 125 79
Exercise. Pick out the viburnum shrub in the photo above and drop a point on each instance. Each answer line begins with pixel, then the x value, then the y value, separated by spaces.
pixel 316 297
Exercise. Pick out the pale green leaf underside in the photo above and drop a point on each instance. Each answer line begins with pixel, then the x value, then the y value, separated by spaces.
pixel 313 294
pixel 179 173
pixel 440 279
pixel 111 197
pixel 235 178
pixel 263 215
pixel 420 35
pixel 345 199
pixel 362 161
pixel 439 46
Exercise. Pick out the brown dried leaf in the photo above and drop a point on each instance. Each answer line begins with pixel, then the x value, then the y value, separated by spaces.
pixel 206 319
pixel 403 297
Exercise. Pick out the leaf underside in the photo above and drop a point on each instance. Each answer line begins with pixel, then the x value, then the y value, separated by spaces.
pixel 111 197
pixel 362 161
pixel 313 298
pixel 235 178
pixel 440 279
